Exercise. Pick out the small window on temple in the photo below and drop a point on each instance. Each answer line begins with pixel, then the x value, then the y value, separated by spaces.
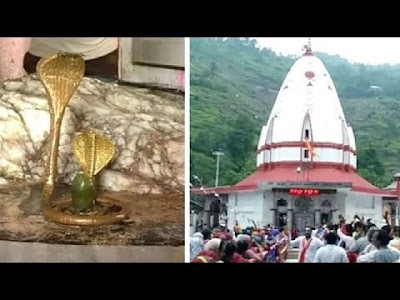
pixel 306 154
pixel 307 135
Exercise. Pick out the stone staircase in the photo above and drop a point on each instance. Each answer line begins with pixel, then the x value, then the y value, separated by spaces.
pixel 293 255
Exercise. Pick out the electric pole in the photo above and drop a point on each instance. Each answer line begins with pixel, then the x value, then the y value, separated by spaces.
pixel 217 154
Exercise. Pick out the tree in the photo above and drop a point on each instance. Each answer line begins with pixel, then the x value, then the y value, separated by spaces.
pixel 242 136
pixel 213 68
pixel 370 166
pixel 368 159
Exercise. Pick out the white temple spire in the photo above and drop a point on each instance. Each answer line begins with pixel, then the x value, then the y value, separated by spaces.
pixel 307 90
pixel 308 49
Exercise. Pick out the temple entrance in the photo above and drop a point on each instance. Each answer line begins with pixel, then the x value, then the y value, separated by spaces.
pixel 326 212
pixel 325 218
pixel 282 220
pixel 281 216
pixel 304 213
pixel 304 220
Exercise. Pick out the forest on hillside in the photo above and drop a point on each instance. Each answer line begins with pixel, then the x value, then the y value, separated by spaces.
pixel 234 84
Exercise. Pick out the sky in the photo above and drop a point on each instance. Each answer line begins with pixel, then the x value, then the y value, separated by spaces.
pixel 373 51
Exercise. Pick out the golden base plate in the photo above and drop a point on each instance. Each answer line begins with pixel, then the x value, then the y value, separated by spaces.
pixel 106 211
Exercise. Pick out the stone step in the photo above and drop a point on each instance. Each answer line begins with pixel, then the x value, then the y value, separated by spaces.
pixel 292 261
pixel 293 254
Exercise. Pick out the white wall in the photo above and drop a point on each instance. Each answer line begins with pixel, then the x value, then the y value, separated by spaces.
pixel 285 154
pixel 267 156
pixel 329 155
pixel 268 203
pixel 246 205
pixel 353 160
pixel 361 204
pixel 257 206
pixel 293 154
pixel 263 157
pixel 194 219
pixel 231 214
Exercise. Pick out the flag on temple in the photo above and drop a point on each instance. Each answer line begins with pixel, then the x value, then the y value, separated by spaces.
pixel 311 148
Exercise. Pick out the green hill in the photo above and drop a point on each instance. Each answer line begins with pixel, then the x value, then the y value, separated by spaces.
pixel 234 85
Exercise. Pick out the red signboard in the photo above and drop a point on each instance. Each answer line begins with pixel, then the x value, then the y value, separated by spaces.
pixel 304 192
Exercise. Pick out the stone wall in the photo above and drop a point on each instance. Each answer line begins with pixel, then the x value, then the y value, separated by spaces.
pixel 147 127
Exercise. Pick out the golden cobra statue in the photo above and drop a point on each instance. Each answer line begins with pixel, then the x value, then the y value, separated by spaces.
pixel 61 75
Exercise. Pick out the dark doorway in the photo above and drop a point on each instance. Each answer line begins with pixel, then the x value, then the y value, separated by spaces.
pixel 304 213
pixel 326 212
pixel 325 218
pixel 282 219
pixel 281 215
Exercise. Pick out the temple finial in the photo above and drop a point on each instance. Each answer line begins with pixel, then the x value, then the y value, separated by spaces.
pixel 308 48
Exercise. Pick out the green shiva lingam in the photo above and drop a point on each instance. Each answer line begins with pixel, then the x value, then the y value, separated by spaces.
pixel 94 152
pixel 61 75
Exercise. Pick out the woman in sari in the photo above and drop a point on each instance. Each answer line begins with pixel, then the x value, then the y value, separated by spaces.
pixel 283 244
pixel 205 257
pixel 249 253
pixel 217 246
pixel 234 252
pixel 196 245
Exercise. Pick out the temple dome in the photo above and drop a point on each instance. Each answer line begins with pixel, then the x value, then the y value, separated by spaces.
pixel 307 107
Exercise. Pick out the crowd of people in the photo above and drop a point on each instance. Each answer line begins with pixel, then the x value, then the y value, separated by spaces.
pixel 354 242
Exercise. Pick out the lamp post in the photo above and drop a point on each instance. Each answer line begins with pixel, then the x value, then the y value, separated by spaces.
pixel 217 154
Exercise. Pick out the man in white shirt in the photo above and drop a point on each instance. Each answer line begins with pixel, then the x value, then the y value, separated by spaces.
pixel 383 254
pixel 347 239
pixel 331 253
pixel 364 242
pixel 308 246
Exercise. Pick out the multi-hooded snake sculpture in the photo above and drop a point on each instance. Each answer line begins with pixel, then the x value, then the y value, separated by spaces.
pixel 61 75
